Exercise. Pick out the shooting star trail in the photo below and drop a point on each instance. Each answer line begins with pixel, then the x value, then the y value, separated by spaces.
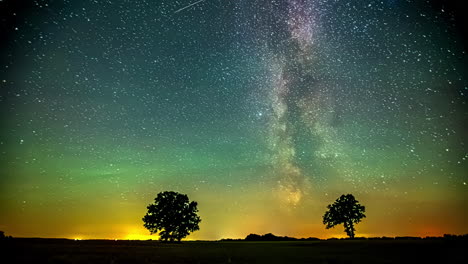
pixel 192 4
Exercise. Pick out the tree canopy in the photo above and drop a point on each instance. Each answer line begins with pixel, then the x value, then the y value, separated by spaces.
pixel 172 215
pixel 345 210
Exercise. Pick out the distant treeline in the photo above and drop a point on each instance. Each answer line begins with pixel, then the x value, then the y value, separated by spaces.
pixel 2 236
pixel 271 237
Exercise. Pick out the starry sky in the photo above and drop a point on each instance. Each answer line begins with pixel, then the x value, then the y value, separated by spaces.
pixel 261 111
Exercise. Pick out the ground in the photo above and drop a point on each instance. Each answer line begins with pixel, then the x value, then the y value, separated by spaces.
pixel 332 251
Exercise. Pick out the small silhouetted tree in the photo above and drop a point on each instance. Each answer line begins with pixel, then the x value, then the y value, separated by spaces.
pixel 345 210
pixel 172 215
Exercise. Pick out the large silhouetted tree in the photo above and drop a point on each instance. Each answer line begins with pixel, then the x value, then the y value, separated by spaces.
pixel 345 210
pixel 172 215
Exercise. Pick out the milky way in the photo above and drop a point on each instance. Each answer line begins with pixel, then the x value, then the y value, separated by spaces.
pixel 289 72
pixel 256 109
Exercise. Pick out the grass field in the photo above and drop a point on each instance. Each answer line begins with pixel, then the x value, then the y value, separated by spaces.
pixel 333 251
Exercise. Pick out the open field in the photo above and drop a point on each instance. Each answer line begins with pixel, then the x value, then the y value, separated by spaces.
pixel 339 251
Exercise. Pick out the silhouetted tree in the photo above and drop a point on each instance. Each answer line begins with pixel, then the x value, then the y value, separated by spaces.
pixel 172 215
pixel 345 210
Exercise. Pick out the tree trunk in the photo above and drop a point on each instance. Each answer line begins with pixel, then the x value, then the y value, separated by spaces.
pixel 351 229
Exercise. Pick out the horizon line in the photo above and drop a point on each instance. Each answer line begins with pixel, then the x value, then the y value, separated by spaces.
pixel 243 239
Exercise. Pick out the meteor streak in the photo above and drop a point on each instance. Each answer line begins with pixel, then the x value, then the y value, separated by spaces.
pixel 192 4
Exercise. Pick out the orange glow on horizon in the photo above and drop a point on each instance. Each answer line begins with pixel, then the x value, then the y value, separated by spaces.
pixel 141 237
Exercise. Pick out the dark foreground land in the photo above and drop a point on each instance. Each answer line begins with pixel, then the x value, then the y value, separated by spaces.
pixel 337 251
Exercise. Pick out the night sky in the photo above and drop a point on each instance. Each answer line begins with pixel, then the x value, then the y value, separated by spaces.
pixel 261 111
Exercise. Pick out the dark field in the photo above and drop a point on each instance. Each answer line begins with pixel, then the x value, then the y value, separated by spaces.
pixel 339 251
